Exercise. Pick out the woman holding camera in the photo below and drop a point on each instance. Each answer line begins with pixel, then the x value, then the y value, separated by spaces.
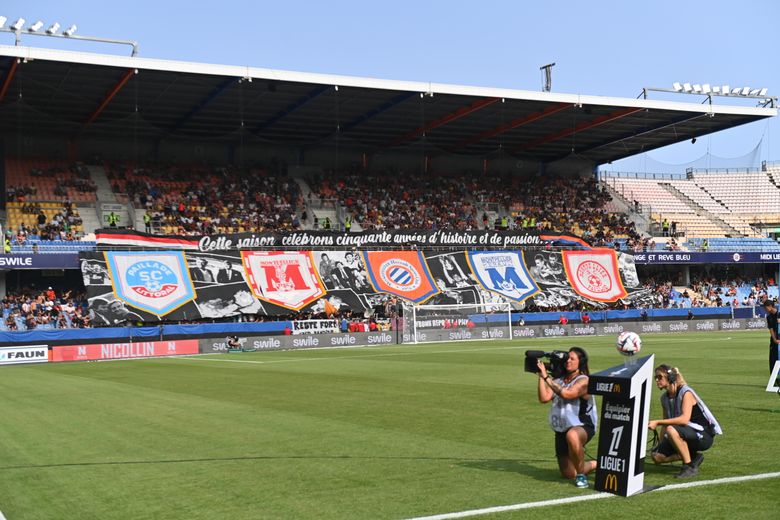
pixel 573 414
pixel 688 426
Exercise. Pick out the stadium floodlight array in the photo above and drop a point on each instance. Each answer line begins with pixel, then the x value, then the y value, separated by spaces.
pixel 718 90
pixel 17 28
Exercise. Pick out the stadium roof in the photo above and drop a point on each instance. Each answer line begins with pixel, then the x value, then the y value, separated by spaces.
pixel 85 94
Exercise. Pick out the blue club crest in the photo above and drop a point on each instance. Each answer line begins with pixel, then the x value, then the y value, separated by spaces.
pixel 157 282
pixel 503 272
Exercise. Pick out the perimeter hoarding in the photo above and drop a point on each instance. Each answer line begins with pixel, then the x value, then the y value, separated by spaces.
pixel 140 349
pixel 25 354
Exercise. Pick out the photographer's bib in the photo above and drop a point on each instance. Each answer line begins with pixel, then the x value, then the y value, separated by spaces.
pixel 567 413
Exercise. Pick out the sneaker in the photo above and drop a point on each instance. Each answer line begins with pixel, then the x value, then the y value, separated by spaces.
pixel 581 481
pixel 697 460
pixel 687 471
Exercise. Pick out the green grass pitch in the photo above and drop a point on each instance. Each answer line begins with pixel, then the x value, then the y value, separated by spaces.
pixel 376 432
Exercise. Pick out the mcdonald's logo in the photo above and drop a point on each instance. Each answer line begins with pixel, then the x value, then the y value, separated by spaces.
pixel 611 483
pixel 616 388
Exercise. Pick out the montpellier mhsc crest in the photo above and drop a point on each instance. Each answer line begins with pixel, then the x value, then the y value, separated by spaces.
pixel 287 279
pixel 157 282
pixel 503 272
pixel 403 273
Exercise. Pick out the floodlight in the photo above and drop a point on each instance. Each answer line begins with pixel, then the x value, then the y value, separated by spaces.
pixel 676 86
pixel 716 89
pixel 763 91
pixel 725 90
pixel 697 88
pixel 3 19
pixel 745 91
pixel 17 25
pixel 706 88
pixel 755 91
pixel 687 87
pixel 69 31
pixel 36 26
pixel 736 90
pixel 53 29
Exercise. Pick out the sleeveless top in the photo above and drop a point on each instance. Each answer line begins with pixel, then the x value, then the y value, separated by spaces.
pixel 702 418
pixel 567 413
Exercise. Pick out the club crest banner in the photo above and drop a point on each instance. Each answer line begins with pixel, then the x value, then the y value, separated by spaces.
pixel 178 286
pixel 402 273
pixel 287 279
pixel 156 282
pixel 503 272
pixel 594 274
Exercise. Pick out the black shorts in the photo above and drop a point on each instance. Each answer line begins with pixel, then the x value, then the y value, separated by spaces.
pixel 562 447
pixel 696 440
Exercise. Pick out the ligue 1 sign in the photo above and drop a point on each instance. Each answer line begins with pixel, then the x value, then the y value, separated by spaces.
pixel 625 411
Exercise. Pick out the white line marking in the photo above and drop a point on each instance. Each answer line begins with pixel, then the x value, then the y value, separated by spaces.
pixel 387 354
pixel 2 517
pixel 595 496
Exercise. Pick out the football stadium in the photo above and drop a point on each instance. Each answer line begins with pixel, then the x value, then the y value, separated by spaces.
pixel 238 292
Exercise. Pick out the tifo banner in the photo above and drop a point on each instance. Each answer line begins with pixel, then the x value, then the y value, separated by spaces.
pixel 287 279
pixel 157 283
pixel 594 274
pixel 503 272
pixel 402 273
pixel 308 240
pixel 154 286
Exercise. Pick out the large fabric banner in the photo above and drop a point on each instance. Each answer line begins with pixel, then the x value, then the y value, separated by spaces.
pixel 309 239
pixel 594 274
pixel 157 286
pixel 402 273
pixel 503 272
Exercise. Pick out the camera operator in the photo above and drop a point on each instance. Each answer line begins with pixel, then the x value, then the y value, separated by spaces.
pixel 688 426
pixel 572 416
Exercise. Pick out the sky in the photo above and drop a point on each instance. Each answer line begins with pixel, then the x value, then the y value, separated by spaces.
pixel 608 48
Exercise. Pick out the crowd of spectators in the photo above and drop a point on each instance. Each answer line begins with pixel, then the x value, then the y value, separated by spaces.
pixel 62 225
pixel 711 291
pixel 401 200
pixel 19 193
pixel 198 200
pixel 30 308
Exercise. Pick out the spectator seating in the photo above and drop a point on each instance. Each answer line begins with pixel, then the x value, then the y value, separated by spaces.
pixel 31 179
pixel 761 245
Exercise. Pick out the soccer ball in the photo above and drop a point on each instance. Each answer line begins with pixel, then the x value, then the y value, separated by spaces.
pixel 628 343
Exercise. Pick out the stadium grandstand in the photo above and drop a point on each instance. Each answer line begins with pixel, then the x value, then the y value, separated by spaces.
pixel 177 149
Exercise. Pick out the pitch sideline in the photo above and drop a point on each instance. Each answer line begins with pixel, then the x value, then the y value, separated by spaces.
pixel 596 496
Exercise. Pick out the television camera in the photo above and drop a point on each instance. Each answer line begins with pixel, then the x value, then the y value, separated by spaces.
pixel 555 364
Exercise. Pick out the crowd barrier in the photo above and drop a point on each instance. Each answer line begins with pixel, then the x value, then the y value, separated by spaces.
pixel 94 350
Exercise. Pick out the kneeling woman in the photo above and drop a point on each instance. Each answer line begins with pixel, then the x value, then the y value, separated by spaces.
pixel 688 426
pixel 573 415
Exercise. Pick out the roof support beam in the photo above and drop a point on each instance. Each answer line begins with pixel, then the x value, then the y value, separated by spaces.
pixel 650 130
pixel 377 111
pixel 214 94
pixel 110 95
pixel 449 118
pixel 515 123
pixel 311 96
pixel 9 78
pixel 617 114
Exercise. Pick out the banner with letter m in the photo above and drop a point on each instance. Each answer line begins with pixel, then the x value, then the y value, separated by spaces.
pixel 503 272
